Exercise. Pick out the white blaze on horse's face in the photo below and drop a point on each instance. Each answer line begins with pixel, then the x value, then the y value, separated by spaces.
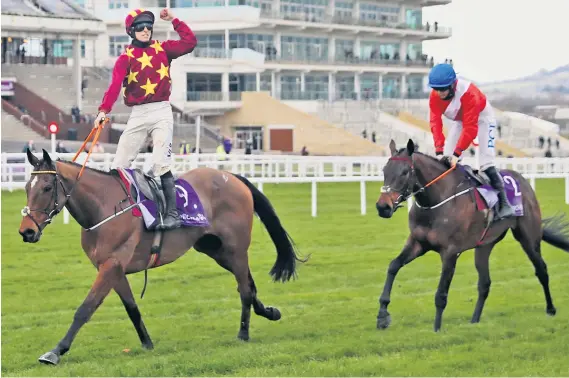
pixel 34 182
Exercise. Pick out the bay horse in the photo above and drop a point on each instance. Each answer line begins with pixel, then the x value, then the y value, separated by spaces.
pixel 445 220
pixel 121 246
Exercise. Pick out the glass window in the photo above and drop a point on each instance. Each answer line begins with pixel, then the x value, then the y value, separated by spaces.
pixel 316 87
pixel 117 44
pixel 118 4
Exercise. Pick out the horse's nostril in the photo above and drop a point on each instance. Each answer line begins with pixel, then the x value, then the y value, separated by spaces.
pixel 28 234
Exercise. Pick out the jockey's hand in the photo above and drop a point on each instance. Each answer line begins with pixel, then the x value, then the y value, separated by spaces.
pixel 99 120
pixel 166 14
pixel 451 161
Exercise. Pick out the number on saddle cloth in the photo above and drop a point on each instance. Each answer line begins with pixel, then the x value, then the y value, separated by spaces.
pixel 147 191
pixel 490 195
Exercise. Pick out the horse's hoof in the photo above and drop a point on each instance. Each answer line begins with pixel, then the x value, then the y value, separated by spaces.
pixel 383 320
pixel 551 311
pixel 274 313
pixel 148 346
pixel 49 358
pixel 243 336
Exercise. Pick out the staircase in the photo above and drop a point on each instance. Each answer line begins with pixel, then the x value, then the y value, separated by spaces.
pixel 15 130
pixel 357 116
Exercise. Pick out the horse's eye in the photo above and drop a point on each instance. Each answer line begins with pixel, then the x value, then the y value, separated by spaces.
pixel 47 188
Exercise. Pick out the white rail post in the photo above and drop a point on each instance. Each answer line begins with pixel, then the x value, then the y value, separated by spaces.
pixel 314 198
pixel 567 190
pixel 363 205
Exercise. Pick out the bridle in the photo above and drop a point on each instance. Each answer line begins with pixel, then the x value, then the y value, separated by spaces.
pixel 57 208
pixel 407 192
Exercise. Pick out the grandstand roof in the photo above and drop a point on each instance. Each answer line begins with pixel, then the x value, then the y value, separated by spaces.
pixel 45 8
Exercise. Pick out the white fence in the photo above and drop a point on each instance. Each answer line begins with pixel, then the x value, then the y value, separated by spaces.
pixel 269 169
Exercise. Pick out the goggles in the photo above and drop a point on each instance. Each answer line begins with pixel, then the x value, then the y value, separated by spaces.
pixel 138 27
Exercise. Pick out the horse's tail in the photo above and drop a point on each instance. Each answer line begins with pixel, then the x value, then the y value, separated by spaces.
pixel 556 231
pixel 285 266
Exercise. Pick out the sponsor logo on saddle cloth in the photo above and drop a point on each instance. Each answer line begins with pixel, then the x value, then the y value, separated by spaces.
pixel 189 206
pixel 513 193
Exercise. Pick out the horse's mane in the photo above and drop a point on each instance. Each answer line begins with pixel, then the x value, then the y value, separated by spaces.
pixel 433 158
pixel 106 173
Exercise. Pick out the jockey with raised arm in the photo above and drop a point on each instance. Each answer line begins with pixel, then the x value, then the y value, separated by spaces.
pixel 472 116
pixel 141 75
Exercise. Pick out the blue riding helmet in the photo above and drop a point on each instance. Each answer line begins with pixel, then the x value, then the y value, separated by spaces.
pixel 442 76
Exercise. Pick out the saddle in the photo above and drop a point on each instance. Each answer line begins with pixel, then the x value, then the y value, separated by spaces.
pixel 150 187
pixel 479 178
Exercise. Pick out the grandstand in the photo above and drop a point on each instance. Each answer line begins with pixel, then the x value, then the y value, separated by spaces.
pixel 343 69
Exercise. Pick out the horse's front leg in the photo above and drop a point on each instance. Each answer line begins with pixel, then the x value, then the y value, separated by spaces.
pixel 410 252
pixel 109 274
pixel 449 259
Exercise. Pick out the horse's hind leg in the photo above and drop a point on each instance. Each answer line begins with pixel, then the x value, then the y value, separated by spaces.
pixel 125 293
pixel 481 261
pixel 532 248
pixel 235 261
pixel 271 313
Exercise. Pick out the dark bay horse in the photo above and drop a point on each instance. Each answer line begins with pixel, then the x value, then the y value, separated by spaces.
pixel 448 222
pixel 122 245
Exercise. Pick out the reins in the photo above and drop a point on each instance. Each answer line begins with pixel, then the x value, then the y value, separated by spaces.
pixel 95 132
pixel 403 197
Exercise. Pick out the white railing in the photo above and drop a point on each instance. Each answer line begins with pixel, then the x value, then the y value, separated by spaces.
pixel 269 169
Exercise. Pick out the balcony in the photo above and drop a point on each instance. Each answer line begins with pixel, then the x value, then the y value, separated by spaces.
pixel 201 96
pixel 201 18
pixel 367 64
pixel 299 20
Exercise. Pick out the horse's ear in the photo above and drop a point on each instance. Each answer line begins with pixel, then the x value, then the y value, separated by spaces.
pixel 32 159
pixel 410 146
pixel 392 147
pixel 46 157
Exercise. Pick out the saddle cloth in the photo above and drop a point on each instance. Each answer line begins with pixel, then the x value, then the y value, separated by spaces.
pixel 147 193
pixel 490 195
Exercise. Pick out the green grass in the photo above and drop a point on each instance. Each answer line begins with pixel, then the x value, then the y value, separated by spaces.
pixel 191 308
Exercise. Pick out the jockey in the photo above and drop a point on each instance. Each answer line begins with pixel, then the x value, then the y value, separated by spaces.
pixel 143 73
pixel 472 116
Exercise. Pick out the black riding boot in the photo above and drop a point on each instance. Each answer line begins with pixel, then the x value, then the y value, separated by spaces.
pixel 505 210
pixel 171 217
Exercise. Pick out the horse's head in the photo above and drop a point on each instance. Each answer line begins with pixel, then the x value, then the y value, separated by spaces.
pixel 398 180
pixel 46 197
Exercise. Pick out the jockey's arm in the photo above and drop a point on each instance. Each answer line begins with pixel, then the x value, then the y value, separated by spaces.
pixel 470 114
pixel 436 122
pixel 119 72
pixel 185 45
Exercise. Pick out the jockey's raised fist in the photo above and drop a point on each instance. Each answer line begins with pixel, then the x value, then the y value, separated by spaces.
pixel 166 14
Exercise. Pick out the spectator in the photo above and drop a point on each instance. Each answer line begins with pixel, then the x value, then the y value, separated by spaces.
pixel 227 145
pixel 184 148
pixel 548 153
pixel 30 146
pixel 557 143
pixel 541 141
pixel 436 26
pixel 75 114
pixel 364 134
pixel 84 83
pixel 304 151
pixel 248 146
pixel 373 137
pixel 60 148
